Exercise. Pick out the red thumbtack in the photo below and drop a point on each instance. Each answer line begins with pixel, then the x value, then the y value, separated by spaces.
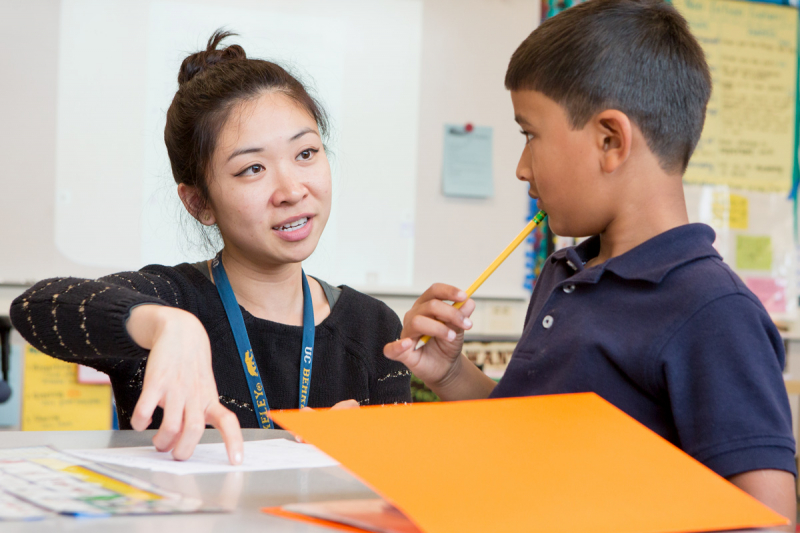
pixel 468 128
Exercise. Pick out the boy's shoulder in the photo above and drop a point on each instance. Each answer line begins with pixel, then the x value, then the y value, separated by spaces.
pixel 679 268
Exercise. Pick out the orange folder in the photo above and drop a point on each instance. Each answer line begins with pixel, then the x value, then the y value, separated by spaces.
pixel 562 463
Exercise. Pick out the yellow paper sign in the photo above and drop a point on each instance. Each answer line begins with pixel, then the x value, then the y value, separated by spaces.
pixel 748 138
pixel 730 210
pixel 52 398
pixel 738 216
pixel 753 252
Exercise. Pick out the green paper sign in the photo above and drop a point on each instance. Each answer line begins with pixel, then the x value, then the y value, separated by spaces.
pixel 753 252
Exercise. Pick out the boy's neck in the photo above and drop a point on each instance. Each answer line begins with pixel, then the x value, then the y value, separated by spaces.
pixel 654 204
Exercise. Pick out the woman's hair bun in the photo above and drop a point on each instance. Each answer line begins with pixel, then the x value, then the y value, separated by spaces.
pixel 201 61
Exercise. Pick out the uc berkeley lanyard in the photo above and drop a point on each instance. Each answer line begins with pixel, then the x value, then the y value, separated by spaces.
pixel 257 392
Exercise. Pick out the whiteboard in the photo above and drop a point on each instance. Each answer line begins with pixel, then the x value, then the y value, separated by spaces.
pixel 116 202
pixel 392 230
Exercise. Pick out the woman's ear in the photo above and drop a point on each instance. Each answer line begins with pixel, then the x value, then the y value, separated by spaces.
pixel 614 136
pixel 195 205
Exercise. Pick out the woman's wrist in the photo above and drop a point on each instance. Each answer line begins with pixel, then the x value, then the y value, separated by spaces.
pixel 145 322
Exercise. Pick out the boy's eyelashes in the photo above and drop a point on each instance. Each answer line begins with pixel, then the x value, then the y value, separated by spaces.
pixel 528 136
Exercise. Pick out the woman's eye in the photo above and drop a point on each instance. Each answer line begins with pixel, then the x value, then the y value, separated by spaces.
pixel 305 155
pixel 251 170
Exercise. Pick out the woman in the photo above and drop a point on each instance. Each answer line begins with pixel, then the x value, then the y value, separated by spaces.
pixel 223 341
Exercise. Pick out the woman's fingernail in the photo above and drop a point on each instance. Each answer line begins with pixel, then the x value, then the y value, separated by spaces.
pixel 406 344
pixel 237 459
pixel 467 323
pixel 461 295
pixel 451 335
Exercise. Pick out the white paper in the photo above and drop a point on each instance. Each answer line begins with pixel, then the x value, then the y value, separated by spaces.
pixel 274 454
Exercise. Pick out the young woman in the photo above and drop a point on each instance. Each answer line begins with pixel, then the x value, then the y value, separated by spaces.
pixel 223 341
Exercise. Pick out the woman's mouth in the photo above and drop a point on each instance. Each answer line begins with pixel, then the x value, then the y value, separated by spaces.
pixel 292 226
pixel 294 230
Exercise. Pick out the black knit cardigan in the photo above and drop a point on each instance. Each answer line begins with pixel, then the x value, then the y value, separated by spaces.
pixel 83 321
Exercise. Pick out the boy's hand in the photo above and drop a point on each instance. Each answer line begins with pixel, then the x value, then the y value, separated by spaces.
pixel 438 361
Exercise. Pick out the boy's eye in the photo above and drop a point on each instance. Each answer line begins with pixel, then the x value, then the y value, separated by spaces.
pixel 307 154
pixel 528 136
pixel 251 170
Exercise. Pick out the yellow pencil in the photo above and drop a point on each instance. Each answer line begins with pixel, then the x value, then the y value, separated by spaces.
pixel 496 263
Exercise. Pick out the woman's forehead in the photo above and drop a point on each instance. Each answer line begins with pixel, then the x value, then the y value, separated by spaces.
pixel 269 118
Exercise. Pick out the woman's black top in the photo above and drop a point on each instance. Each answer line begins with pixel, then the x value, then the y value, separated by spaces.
pixel 83 321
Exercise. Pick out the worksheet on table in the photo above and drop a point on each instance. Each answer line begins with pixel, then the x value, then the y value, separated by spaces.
pixel 273 454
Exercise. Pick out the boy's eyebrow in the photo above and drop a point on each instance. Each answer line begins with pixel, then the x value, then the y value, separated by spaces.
pixel 521 120
pixel 254 149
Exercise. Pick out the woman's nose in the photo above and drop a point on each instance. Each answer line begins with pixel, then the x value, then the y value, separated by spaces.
pixel 289 188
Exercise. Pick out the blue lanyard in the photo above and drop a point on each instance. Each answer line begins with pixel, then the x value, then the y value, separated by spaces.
pixel 257 392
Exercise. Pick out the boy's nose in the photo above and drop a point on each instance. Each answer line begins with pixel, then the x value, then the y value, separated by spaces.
pixel 524 170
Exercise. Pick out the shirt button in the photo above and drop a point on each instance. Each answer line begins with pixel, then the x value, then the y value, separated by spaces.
pixel 547 322
pixel 569 288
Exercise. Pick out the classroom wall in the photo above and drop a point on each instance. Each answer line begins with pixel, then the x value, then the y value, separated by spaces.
pixel 466 46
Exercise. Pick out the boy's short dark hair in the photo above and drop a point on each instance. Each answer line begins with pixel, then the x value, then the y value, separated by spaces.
pixel 636 56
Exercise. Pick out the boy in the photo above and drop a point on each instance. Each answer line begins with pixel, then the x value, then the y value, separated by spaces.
pixel 611 97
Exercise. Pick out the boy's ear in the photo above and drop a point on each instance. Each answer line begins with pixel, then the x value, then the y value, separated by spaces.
pixel 614 136
pixel 195 205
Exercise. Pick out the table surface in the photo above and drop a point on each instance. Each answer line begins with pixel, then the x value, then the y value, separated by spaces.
pixel 244 492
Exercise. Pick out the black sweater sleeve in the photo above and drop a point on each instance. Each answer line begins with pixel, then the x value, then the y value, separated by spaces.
pixel 392 383
pixel 83 321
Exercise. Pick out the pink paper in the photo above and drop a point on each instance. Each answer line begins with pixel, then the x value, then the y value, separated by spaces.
pixel 771 292
pixel 90 376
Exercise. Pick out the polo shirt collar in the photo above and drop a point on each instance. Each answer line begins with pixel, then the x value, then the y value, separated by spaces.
pixel 650 261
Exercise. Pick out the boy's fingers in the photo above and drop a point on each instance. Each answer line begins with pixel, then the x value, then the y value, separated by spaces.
pixel 468 308
pixel 441 291
pixel 446 313
pixel 396 348
pixel 408 356
pixel 228 425
pixel 424 325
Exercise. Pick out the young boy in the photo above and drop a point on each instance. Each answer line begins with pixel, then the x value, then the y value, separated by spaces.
pixel 611 97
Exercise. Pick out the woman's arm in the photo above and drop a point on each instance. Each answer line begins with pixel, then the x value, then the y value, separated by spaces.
pixel 83 321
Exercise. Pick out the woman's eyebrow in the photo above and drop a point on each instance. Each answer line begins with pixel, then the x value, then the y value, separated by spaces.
pixel 303 132
pixel 243 151
pixel 255 150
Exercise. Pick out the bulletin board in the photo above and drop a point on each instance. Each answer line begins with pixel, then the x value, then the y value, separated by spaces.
pixel 740 178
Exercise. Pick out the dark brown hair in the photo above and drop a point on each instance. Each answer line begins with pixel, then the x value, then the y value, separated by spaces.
pixel 210 84
pixel 636 56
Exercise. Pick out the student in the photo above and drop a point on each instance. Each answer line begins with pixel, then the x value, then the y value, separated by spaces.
pixel 611 98
pixel 245 141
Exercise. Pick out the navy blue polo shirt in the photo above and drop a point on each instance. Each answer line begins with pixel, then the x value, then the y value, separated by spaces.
pixel 668 333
